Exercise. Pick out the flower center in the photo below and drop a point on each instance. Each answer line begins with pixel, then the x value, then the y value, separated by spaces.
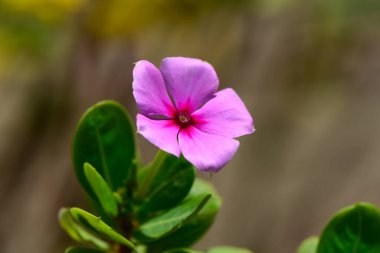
pixel 183 118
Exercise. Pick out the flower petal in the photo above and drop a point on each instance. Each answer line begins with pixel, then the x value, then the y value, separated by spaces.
pixel 150 92
pixel 206 151
pixel 190 82
pixel 162 133
pixel 224 115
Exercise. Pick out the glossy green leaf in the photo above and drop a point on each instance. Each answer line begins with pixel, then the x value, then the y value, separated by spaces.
pixel 355 229
pixel 309 245
pixel 102 191
pixel 166 182
pixel 79 233
pixel 68 224
pixel 197 226
pixel 105 139
pixel 98 226
pixel 82 250
pixel 170 220
pixel 228 249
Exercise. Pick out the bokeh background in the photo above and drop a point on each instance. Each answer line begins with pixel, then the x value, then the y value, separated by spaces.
pixel 309 72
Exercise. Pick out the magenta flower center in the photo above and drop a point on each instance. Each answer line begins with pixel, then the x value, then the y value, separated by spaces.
pixel 183 118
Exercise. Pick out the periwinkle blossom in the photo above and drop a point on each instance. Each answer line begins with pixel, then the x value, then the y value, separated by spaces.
pixel 182 112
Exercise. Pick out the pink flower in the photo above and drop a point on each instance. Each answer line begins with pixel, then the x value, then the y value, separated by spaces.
pixel 181 111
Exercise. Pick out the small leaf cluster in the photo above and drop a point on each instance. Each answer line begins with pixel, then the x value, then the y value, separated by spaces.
pixel 159 207
pixel 354 229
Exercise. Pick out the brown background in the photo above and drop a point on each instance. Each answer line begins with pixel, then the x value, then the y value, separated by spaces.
pixel 309 72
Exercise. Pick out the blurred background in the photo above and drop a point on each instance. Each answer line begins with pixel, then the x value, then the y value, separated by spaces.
pixel 309 72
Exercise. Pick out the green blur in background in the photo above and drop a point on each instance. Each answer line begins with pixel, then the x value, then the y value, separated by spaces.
pixel 308 71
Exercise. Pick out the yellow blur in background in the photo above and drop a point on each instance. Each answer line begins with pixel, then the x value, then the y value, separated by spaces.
pixel 308 71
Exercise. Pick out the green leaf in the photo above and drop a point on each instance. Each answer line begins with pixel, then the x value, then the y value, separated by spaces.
pixel 68 224
pixel 105 139
pixel 197 226
pixel 82 250
pixel 228 249
pixel 182 250
pixel 102 191
pixel 309 245
pixel 170 220
pixel 355 229
pixel 166 182
pixel 78 232
pixel 98 226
